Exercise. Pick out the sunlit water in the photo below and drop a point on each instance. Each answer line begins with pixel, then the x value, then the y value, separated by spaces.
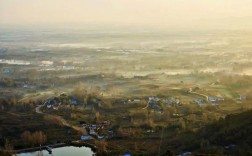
pixel 62 151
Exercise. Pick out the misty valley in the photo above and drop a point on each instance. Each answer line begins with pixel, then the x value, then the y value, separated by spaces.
pixel 126 92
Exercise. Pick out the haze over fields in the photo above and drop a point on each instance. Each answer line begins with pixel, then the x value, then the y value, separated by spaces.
pixel 138 77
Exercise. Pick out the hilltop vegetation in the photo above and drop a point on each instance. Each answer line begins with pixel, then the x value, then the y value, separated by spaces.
pixel 235 129
pixel 229 136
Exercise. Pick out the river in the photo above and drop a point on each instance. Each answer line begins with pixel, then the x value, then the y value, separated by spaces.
pixel 62 151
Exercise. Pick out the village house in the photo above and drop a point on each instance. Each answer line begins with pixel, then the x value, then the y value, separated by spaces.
pixel 50 103
pixel 177 115
pixel 100 137
pixel 212 99
pixel 230 146
pixel 73 101
pixel 92 132
pixel 186 153
pixel 150 131
pixel 171 101
pixel 86 137
pixel 26 86
pixel 153 99
pixel 215 99
pixel 199 102
pixel 110 132
pixel 220 99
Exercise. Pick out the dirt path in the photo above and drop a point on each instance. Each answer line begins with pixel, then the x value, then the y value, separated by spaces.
pixel 205 96
pixel 37 109
pixel 147 105
pixel 61 120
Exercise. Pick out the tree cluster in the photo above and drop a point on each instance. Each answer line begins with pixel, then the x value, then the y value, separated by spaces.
pixel 35 138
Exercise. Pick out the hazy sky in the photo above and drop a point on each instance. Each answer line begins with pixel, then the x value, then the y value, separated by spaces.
pixel 160 12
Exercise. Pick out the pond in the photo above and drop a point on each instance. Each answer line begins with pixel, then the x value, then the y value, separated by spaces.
pixel 62 151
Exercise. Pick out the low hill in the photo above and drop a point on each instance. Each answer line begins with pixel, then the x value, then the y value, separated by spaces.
pixel 234 134
pixel 230 136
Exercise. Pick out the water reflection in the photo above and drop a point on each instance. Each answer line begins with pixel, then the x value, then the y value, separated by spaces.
pixel 62 151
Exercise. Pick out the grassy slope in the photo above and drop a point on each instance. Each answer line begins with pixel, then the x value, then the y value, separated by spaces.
pixel 14 124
